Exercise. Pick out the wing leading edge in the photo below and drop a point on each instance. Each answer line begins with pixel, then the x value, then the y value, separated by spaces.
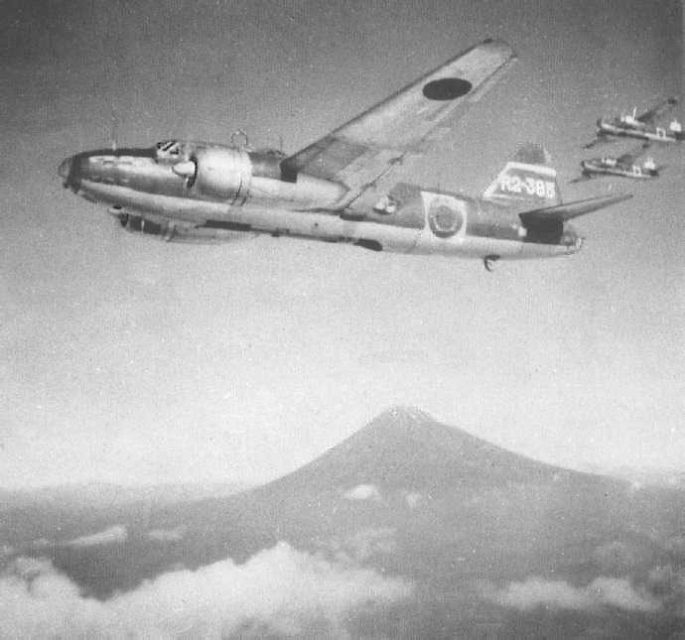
pixel 367 147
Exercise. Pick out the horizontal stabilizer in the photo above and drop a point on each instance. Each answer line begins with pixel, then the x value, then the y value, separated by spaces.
pixel 563 212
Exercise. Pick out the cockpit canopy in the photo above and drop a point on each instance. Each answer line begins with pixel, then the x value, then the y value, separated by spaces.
pixel 269 152
pixel 169 151
pixel 174 151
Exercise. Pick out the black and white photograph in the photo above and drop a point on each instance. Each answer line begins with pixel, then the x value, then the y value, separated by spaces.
pixel 342 320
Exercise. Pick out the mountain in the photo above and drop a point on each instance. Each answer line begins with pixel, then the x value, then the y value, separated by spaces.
pixel 408 496
pixel 406 449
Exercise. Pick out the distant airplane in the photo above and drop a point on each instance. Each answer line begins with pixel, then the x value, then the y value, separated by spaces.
pixel 337 189
pixel 624 166
pixel 642 127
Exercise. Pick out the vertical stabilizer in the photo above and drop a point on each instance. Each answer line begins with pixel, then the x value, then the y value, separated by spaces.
pixel 527 179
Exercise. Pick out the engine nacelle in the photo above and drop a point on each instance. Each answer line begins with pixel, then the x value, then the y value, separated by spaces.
pixel 221 174
pixel 168 231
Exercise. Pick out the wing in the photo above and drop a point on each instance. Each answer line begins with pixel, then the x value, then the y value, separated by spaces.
pixel 626 158
pixel 657 110
pixel 599 140
pixel 366 148
pixel 581 178
pixel 631 156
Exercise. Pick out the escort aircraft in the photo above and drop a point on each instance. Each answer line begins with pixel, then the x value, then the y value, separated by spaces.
pixel 642 127
pixel 625 166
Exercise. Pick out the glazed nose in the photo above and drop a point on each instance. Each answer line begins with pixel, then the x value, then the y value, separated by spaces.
pixel 64 168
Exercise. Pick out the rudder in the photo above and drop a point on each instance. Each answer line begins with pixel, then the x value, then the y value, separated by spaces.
pixel 527 179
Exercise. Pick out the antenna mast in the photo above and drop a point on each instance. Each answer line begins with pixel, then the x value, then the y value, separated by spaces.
pixel 114 130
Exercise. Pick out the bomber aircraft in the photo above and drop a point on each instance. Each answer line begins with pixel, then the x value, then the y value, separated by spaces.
pixel 642 127
pixel 625 166
pixel 338 189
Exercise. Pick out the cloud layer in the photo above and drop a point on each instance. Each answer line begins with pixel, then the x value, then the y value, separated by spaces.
pixel 558 594
pixel 280 590
pixel 364 544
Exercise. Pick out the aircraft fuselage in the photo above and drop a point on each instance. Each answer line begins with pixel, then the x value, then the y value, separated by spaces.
pixel 212 193
pixel 599 168
pixel 639 131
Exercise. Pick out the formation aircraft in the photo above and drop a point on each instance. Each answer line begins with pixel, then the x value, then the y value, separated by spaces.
pixel 625 166
pixel 640 126
pixel 339 188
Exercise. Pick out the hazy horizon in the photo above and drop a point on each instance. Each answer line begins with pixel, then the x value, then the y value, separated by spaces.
pixel 622 471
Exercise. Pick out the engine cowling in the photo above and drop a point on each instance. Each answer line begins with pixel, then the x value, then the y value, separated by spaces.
pixel 168 231
pixel 222 174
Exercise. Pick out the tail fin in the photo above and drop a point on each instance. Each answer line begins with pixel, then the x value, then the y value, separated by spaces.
pixel 527 179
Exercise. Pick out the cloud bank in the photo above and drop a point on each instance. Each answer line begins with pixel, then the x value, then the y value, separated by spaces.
pixel 117 533
pixel 363 492
pixel 558 594
pixel 279 590
pixel 364 544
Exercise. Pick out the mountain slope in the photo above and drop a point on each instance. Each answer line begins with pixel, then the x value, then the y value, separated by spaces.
pixel 444 494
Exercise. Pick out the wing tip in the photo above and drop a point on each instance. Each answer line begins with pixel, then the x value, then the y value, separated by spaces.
pixel 500 46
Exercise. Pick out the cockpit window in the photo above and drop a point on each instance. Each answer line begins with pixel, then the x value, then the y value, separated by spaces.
pixel 168 151
pixel 274 153
pixel 166 145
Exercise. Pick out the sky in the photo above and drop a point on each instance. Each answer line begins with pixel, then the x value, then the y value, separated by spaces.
pixel 133 361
